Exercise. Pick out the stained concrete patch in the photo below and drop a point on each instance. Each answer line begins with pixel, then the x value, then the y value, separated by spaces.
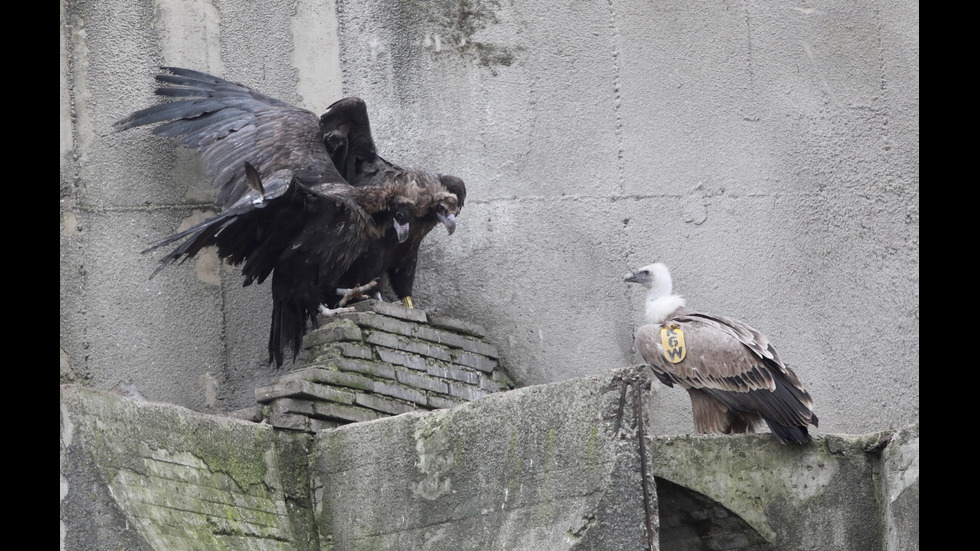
pixel 141 475
pixel 548 467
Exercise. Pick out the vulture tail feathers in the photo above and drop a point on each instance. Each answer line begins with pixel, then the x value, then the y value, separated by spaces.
pixel 275 335
pixel 784 434
pixel 288 327
pixel 289 318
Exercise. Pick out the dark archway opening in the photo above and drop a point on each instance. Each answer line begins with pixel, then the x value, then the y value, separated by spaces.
pixel 691 521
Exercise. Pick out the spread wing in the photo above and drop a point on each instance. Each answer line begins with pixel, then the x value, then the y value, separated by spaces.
pixel 230 124
pixel 304 236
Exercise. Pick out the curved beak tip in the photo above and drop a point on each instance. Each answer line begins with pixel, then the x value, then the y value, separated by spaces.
pixel 449 222
pixel 402 231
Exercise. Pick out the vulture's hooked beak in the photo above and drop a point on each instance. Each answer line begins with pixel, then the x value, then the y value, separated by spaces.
pixel 401 230
pixel 449 221
pixel 641 276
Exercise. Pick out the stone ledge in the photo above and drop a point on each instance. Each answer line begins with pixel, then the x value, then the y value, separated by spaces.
pixel 385 359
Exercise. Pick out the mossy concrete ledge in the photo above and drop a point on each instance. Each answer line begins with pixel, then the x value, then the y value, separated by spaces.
pixel 542 468
pixel 145 476
pixel 840 492
pixel 550 467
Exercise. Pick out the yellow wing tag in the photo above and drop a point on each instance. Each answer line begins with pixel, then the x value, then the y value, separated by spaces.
pixel 672 338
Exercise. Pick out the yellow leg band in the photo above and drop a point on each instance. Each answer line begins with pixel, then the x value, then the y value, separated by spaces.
pixel 408 302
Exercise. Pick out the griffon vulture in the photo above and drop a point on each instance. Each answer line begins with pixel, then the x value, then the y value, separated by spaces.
pixel 347 134
pixel 732 373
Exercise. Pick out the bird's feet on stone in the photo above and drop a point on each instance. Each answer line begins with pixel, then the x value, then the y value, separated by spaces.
pixel 407 302
pixel 330 312
pixel 356 292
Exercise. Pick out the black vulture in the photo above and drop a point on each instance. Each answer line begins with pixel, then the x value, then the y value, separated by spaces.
pixel 732 373
pixel 285 210
pixel 304 234
pixel 347 134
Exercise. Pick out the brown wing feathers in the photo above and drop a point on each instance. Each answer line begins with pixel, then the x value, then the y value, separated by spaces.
pixel 733 374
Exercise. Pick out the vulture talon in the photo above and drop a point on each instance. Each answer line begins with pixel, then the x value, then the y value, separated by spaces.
pixel 331 312
pixel 356 292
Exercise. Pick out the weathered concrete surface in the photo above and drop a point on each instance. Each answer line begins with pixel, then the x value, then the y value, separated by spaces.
pixel 824 495
pixel 547 467
pixel 769 153
pixel 143 476
pixel 900 490
pixel 543 468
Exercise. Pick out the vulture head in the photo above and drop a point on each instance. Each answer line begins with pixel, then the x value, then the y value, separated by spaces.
pixel 449 204
pixel 654 277
pixel 446 209
pixel 402 211
pixel 660 298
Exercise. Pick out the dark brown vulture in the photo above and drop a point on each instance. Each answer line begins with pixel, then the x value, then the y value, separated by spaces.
pixel 304 234
pixel 347 133
pixel 285 210
pixel 732 373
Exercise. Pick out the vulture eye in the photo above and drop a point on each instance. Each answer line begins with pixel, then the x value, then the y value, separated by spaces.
pixel 399 215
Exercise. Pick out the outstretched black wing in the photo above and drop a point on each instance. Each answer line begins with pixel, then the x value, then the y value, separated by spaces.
pixel 230 124
pixel 304 235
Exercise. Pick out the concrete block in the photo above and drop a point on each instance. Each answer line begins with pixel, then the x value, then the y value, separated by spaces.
pixel 392 309
pixel 371 369
pixel 420 381
pixel 437 401
pixel 340 412
pixel 817 496
pixel 457 325
pixel 383 404
pixel 400 391
pixel 466 392
pixel 900 490
pixel 319 374
pixel 323 352
pixel 397 357
pixel 300 388
pixel 335 331
pixel 405 344
pixel 438 369
pixel 147 476
pixel 439 336
pixel 544 468
pixel 476 361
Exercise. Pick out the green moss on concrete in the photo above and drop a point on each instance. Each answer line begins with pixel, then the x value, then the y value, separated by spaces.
pixel 772 486
pixel 245 463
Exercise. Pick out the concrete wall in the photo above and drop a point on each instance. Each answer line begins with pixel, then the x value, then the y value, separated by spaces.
pixel 767 152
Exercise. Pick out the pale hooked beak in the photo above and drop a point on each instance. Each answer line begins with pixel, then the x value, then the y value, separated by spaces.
pixel 401 230
pixel 449 221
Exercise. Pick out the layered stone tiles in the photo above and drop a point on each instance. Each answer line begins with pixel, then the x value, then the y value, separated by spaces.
pixel 382 360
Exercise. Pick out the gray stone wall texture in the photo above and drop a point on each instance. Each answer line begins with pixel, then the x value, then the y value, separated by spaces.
pixel 767 152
